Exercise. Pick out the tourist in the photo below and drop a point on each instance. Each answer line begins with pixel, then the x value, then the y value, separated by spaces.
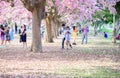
pixel 85 31
pixel 16 28
pixel 23 35
pixel 64 33
pixel 75 30
pixel 11 33
pixel 7 35
pixel 20 38
pixel 68 36
pixel 2 35
pixel 105 35
pixel 118 37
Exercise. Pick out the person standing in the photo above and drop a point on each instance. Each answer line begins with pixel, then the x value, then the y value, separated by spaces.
pixel 64 33
pixel 75 30
pixel 2 35
pixel 68 36
pixel 20 34
pixel 11 33
pixel 23 36
pixel 105 35
pixel 16 28
pixel 118 37
pixel 7 35
pixel 85 31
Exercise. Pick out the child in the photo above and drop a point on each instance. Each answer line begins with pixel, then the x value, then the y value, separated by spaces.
pixel 67 36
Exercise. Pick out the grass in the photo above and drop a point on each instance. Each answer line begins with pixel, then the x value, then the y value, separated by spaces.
pixel 105 51
pixel 97 72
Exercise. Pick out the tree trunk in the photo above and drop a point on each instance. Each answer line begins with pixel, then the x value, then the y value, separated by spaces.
pixel 36 38
pixel 114 30
pixel 54 28
pixel 117 28
pixel 49 36
pixel 114 36
pixel 95 31
pixel 58 27
pixel 37 7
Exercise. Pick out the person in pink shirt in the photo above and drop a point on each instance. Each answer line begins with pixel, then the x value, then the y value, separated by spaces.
pixel 118 37
pixel 85 31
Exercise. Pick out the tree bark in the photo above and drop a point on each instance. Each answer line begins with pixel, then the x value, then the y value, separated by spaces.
pixel 114 36
pixel 49 36
pixel 117 27
pixel 36 38
pixel 54 27
pixel 58 27
pixel 114 30
pixel 95 31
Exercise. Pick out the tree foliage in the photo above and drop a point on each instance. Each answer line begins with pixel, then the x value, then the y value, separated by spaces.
pixel 117 6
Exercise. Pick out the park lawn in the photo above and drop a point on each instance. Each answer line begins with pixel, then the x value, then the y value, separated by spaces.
pixel 97 59
pixel 96 72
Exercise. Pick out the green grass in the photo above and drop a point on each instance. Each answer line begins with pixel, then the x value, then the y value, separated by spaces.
pixel 97 72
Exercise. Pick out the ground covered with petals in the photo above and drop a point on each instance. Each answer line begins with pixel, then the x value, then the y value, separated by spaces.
pixel 99 58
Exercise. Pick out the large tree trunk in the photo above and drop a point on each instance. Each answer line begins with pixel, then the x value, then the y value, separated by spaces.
pixel 49 36
pixel 37 7
pixel 36 38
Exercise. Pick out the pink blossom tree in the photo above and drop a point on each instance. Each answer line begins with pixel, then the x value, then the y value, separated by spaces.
pixel 70 11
